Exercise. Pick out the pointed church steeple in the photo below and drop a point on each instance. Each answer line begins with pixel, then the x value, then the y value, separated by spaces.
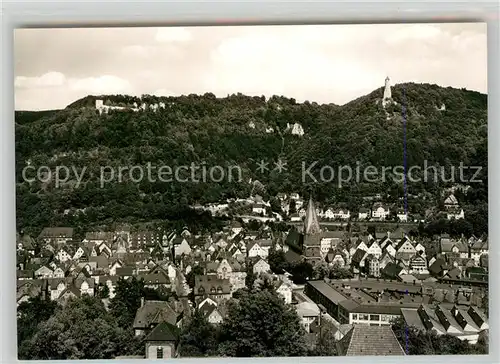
pixel 311 224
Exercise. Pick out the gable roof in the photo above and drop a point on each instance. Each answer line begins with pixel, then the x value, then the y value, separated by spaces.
pixel 370 340
pixel 164 331
pixel 154 312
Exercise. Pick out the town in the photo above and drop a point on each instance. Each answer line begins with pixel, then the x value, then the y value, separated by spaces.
pixel 348 274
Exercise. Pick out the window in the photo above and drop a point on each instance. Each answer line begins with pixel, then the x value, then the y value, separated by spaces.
pixel 364 317
pixel 159 353
pixel 354 316
pixel 374 317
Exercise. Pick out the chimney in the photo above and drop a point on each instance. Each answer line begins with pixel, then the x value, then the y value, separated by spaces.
pixel 142 301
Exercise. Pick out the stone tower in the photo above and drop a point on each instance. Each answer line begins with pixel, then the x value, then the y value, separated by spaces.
pixel 387 90
pixel 312 235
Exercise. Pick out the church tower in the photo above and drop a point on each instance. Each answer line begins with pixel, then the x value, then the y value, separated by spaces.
pixel 312 235
pixel 387 90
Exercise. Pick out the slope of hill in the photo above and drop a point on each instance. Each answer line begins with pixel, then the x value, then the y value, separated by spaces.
pixel 212 131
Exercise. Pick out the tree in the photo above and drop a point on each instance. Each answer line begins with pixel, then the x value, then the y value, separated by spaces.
pixel 198 337
pixel 102 290
pixel 321 270
pixel 301 272
pixel 82 329
pixel 127 300
pixel 338 272
pixel 261 324
pixel 277 261
pixel 326 342
pixel 30 314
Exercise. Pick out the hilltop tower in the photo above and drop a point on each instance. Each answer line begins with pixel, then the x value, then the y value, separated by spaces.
pixel 311 248
pixel 387 90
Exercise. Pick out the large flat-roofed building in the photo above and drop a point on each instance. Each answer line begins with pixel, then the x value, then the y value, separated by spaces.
pixel 371 301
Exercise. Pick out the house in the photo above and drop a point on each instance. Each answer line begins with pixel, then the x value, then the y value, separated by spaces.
pixel 254 249
pixel 161 342
pixel 232 270
pixel 212 286
pixel 63 255
pixel 418 265
pixel 308 313
pixel 85 286
pixel 449 247
pixel 285 291
pixel 259 209
pixel 363 213
pixel 364 340
pixel 56 287
pixel 336 258
pixel 58 235
pixel 297 129
pixel 455 214
pixel 125 272
pixel 402 216
pixel 59 272
pixel 152 313
pixel 380 211
pixel 24 274
pixel 98 237
pixel 43 273
pixel 114 266
pixel 478 247
pixel 212 313
pixel 476 273
pixel 386 258
pixel 358 259
pixel 331 239
pixel 375 249
pixel 393 271
pixel 437 267
pixel 451 202
pixel 71 292
pixel 373 263
pixel 236 228
pixel 155 280
pixel 295 217
pixel 405 249
pixel 339 214
pixel 260 265
pixel 26 243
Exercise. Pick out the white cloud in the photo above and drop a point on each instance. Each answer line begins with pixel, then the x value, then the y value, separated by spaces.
pixel 49 79
pixel 173 34
pixel 101 85
pixel 258 64
pixel 319 63
pixel 412 33
pixel 138 51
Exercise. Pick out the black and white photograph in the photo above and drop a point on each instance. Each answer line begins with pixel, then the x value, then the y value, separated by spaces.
pixel 251 191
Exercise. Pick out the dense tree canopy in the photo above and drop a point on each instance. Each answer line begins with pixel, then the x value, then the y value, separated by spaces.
pixel 82 329
pixel 261 324
pixel 196 129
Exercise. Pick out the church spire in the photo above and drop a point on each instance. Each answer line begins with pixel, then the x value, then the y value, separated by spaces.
pixel 311 224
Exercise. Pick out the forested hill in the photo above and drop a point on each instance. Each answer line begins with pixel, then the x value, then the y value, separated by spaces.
pixel 444 126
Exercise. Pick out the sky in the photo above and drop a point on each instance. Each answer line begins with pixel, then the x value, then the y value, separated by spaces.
pixel 321 63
